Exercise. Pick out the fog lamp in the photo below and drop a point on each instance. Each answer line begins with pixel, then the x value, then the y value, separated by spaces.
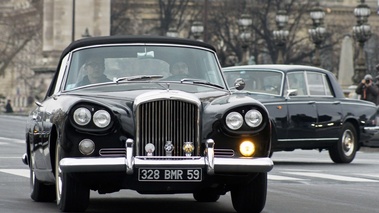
pixel 247 148
pixel 86 147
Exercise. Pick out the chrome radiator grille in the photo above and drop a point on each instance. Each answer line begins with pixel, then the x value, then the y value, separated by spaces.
pixel 167 120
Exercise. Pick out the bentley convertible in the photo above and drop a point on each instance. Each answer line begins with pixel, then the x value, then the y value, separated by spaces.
pixel 308 109
pixel 151 114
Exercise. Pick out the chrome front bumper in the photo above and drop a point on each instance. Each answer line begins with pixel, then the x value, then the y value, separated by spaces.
pixel 218 165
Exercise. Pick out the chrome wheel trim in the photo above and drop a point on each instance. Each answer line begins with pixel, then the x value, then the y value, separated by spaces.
pixel 32 175
pixel 348 142
pixel 58 176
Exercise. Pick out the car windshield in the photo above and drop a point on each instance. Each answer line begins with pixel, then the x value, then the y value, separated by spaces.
pixel 257 81
pixel 126 63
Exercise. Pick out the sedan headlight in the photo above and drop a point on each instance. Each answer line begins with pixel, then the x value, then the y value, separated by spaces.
pixel 101 118
pixel 234 120
pixel 82 116
pixel 253 118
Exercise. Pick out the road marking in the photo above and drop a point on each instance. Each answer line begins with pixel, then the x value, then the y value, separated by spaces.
pixel 18 172
pixel 13 140
pixel 283 178
pixel 332 177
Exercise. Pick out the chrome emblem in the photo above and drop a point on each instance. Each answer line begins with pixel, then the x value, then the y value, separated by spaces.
pixel 188 148
pixel 149 148
pixel 169 148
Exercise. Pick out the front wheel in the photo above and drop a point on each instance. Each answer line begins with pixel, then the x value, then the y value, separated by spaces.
pixel 250 197
pixel 71 195
pixel 344 151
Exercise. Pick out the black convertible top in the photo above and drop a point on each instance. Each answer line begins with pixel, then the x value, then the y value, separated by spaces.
pixel 132 39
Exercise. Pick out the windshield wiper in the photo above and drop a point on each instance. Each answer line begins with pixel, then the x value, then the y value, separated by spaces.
pixel 200 81
pixel 138 77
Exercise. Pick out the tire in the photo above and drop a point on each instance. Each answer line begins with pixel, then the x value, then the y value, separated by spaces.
pixel 206 195
pixel 71 195
pixel 39 191
pixel 250 197
pixel 344 151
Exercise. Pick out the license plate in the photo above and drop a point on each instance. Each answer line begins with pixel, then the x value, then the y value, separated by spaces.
pixel 170 175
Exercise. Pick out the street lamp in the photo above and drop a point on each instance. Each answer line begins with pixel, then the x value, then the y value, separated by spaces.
pixel 361 33
pixel 281 35
pixel 317 33
pixel 244 24
pixel 197 29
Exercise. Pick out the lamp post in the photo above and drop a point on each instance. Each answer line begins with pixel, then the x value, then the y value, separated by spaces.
pixel 244 24
pixel 317 33
pixel 281 35
pixel 197 29
pixel 361 33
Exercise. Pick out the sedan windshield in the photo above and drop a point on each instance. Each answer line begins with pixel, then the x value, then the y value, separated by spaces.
pixel 122 64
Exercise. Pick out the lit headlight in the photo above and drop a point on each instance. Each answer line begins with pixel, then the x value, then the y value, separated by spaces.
pixel 247 148
pixel 253 118
pixel 101 118
pixel 82 116
pixel 234 120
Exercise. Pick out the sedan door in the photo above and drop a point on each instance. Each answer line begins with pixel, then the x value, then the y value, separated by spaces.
pixel 302 110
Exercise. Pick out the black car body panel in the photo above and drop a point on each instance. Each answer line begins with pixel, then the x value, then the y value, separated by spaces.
pixel 142 131
pixel 312 120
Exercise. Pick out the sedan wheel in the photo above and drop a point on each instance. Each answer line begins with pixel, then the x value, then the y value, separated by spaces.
pixel 344 151
pixel 39 191
pixel 71 195
pixel 250 197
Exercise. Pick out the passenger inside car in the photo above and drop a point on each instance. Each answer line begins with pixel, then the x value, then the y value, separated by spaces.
pixel 94 70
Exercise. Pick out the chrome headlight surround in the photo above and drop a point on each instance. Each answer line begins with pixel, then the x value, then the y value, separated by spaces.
pixel 82 116
pixel 101 118
pixel 234 120
pixel 253 118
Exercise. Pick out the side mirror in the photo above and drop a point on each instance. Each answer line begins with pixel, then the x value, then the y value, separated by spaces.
pixel 239 84
pixel 291 92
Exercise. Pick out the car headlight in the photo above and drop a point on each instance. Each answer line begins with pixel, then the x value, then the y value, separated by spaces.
pixel 82 116
pixel 253 118
pixel 234 120
pixel 101 118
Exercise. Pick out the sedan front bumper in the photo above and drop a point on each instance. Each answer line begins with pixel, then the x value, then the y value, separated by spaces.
pixel 128 163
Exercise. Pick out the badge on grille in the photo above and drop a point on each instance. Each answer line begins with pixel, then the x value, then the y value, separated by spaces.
pixel 169 148
pixel 188 148
pixel 149 148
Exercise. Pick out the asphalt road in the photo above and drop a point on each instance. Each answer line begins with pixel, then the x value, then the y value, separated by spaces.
pixel 301 181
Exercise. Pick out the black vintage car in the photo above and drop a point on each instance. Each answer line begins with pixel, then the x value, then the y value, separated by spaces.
pixel 119 116
pixel 308 109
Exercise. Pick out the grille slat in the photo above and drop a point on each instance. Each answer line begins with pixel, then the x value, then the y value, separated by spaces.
pixel 167 120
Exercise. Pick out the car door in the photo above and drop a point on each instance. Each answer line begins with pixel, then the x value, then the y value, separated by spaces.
pixel 302 110
pixel 329 109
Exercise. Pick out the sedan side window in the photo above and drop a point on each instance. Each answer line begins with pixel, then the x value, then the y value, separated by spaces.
pixel 296 81
pixel 318 84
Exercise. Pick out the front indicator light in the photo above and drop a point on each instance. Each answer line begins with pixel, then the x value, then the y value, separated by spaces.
pixel 247 148
pixel 86 147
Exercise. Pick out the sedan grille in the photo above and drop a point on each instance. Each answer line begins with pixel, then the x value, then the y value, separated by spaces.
pixel 161 121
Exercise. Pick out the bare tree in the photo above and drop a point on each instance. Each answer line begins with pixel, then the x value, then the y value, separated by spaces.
pixel 20 27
